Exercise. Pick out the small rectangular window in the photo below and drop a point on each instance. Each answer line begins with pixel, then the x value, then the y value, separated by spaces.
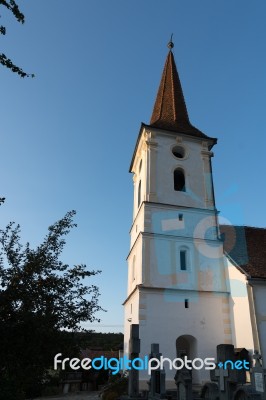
pixel 180 217
pixel 186 303
pixel 183 260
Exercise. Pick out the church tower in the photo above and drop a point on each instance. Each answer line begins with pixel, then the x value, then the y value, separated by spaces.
pixel 177 279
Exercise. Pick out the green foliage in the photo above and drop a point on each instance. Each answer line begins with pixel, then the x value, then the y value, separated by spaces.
pixel 12 6
pixel 40 298
pixel 9 389
pixel 103 341
pixel 52 386
pixel 117 385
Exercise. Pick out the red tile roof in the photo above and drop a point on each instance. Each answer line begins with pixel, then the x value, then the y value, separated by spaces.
pixel 246 246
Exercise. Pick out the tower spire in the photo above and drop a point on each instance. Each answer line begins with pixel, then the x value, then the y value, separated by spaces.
pixel 170 111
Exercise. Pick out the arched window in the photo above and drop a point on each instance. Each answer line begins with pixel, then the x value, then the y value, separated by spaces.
pixel 179 180
pixel 139 193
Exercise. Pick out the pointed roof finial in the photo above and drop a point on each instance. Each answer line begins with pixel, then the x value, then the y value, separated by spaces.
pixel 170 44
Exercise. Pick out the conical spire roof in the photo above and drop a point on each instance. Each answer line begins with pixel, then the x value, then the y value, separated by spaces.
pixel 170 111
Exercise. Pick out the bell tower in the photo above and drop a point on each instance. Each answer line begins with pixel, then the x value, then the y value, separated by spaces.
pixel 177 280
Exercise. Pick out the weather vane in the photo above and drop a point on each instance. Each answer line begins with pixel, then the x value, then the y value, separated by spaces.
pixel 170 44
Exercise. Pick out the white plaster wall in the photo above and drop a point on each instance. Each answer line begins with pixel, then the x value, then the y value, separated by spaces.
pixel 166 318
pixel 259 293
pixel 197 223
pixel 136 252
pixel 137 226
pixel 193 166
pixel 239 308
pixel 131 316
pixel 162 264
pixel 140 174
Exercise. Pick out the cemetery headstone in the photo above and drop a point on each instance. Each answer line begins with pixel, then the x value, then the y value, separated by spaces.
pixel 242 354
pixel 157 380
pixel 230 376
pixel 226 375
pixel 183 380
pixel 134 350
pixel 258 376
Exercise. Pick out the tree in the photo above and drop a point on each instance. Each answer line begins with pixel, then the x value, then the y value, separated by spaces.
pixel 12 6
pixel 40 299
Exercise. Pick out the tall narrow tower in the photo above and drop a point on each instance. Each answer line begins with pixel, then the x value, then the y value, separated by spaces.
pixel 177 280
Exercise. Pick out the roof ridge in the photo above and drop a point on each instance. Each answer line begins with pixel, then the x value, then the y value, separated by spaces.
pixel 244 226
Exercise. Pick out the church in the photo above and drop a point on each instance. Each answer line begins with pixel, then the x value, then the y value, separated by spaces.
pixel 192 283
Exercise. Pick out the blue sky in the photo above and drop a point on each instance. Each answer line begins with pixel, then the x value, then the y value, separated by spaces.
pixel 67 136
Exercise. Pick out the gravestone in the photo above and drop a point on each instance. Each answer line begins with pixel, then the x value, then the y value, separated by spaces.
pixel 231 381
pixel 210 391
pixel 226 376
pixel 157 380
pixel 258 376
pixel 242 354
pixel 183 380
pixel 134 350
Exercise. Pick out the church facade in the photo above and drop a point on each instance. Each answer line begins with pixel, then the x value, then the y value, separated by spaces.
pixel 185 292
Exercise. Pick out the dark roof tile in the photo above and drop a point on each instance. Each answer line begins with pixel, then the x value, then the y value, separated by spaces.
pixel 170 111
pixel 246 246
